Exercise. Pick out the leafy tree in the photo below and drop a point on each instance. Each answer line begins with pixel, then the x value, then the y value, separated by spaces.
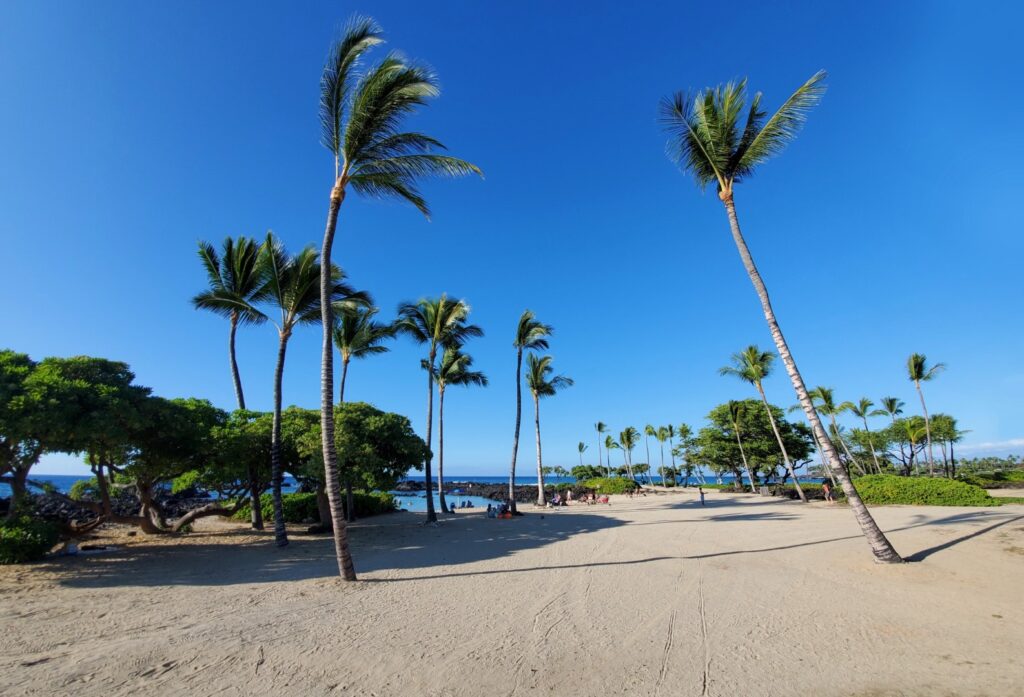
pixel 752 365
pixel 918 371
pixel 584 472
pixel 292 285
pixel 361 116
pixel 531 335
pixel 455 369
pixel 736 414
pixel 22 425
pixel 710 140
pixel 582 448
pixel 439 323
pixel 542 384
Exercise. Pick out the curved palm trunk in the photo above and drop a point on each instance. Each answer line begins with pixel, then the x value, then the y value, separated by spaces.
pixel 344 374
pixel 824 462
pixel 743 455
pixel 927 430
pixel 440 448
pixel 871 444
pixel 350 500
pixel 276 472
pixel 540 466
pixel 341 548
pixel 236 378
pixel 428 484
pixel 880 545
pixel 515 438
pixel 782 446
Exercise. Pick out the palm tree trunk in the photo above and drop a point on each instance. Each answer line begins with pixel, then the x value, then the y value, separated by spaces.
pixel 344 374
pixel 782 446
pixel 540 465
pixel 515 437
pixel 599 449
pixel 428 483
pixel 341 548
pixel 927 430
pixel 236 378
pixel 350 499
pixel 824 462
pixel 743 455
pixel 871 444
pixel 276 473
pixel 661 467
pixel 880 545
pixel 440 448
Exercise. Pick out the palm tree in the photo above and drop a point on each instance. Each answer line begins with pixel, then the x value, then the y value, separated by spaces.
pixel 292 285
pixel 357 335
pixel 893 407
pixel 825 403
pixel 662 435
pixel 361 117
pixel 628 439
pixel 918 372
pixel 670 431
pixel 439 323
pixel 454 369
pixel 753 365
pixel 542 384
pixel 709 141
pixel 862 410
pixel 531 335
pixel 235 280
pixel 601 429
pixel 582 448
pixel 736 413
pixel 609 446
pixel 648 432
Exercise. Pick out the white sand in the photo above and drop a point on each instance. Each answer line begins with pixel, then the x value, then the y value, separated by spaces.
pixel 747 596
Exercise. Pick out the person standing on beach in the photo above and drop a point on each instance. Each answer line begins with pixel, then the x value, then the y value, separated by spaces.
pixel 701 490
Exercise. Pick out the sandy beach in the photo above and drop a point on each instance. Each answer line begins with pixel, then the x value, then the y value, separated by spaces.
pixel 648 596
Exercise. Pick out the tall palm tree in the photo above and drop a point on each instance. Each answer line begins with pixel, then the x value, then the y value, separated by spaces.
pixel 737 410
pixel 542 384
pixel 648 432
pixel 918 372
pixel 628 440
pixel 670 430
pixel 455 369
pixel 356 335
pixel 292 285
pixel 439 323
pixel 824 399
pixel 582 448
pixel 662 435
pixel 601 429
pixel 710 140
pixel 235 280
pixel 862 410
pixel 753 365
pixel 893 407
pixel 361 115
pixel 609 446
pixel 531 335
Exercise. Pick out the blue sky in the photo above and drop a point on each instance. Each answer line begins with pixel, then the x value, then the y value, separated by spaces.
pixel 130 131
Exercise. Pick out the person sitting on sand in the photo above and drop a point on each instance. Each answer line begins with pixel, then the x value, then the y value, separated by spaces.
pixel 556 500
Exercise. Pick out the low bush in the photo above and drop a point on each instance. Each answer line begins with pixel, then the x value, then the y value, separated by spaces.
pixel 882 489
pixel 85 490
pixel 612 485
pixel 301 508
pixel 26 539
pixel 1011 479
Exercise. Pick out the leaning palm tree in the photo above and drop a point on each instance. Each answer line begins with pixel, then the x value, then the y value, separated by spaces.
pixel 235 280
pixel 542 384
pixel 918 372
pixel 292 286
pixel 531 335
pixel 601 429
pixel 737 410
pixel 361 115
pixel 824 401
pixel 628 440
pixel 439 323
pixel 582 448
pixel 862 410
pixel 356 335
pixel 711 140
pixel 753 365
pixel 455 368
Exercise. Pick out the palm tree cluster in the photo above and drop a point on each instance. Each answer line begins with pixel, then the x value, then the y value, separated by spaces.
pixel 678 439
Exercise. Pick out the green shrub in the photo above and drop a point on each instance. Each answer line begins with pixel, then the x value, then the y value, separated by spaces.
pixel 299 508
pixel 1012 479
pixel 186 482
pixel 612 485
pixel 882 489
pixel 26 539
pixel 85 489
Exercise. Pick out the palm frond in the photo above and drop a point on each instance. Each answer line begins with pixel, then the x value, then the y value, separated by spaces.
pixel 361 34
pixel 389 186
pixel 686 148
pixel 783 126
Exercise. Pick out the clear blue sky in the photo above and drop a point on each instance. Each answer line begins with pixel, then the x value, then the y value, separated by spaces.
pixel 130 131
